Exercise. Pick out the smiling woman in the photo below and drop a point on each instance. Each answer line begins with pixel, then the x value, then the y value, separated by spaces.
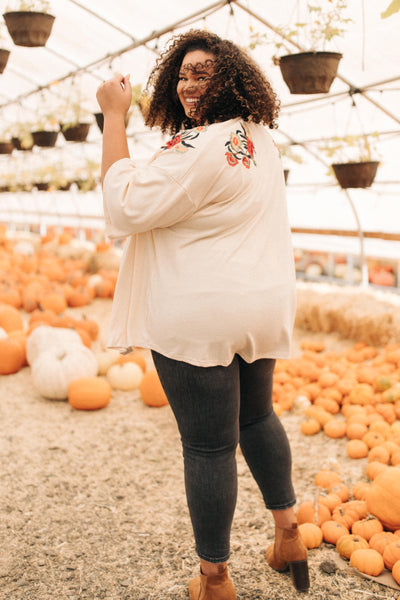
pixel 196 71
pixel 209 271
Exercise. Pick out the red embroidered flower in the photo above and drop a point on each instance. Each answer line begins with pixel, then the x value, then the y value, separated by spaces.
pixel 176 140
pixel 246 162
pixel 250 147
pixel 232 160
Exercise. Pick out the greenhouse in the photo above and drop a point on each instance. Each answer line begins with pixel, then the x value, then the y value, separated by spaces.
pixel 95 502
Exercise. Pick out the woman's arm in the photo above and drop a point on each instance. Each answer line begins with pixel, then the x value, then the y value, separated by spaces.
pixel 114 98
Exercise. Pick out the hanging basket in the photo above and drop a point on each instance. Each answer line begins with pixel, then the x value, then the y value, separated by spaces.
pixel 21 145
pixel 6 147
pixel 286 174
pixel 355 174
pixel 45 139
pixel 309 72
pixel 29 28
pixel 4 55
pixel 76 133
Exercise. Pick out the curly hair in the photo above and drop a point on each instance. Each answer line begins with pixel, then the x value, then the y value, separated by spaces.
pixel 237 88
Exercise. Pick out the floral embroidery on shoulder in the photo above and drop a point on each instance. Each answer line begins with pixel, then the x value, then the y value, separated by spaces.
pixel 180 142
pixel 240 148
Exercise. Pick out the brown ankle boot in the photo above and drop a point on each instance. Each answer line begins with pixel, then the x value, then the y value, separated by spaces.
pixel 289 551
pixel 212 587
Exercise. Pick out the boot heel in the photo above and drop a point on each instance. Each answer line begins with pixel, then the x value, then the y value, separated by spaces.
pixel 299 574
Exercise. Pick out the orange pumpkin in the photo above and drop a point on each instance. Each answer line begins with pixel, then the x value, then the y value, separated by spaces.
pixel 396 572
pixel 311 535
pixel 359 490
pixel 383 498
pixel 12 356
pixel 326 478
pixel 391 554
pixel 367 561
pixel 335 428
pixel 379 541
pixel 89 393
pixel 348 543
pixel 310 426
pixel 367 527
pixel 311 512
pixel 356 449
pixel 151 390
pixel 10 318
pixel 332 531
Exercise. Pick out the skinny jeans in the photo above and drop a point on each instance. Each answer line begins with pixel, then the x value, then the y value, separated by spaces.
pixel 215 409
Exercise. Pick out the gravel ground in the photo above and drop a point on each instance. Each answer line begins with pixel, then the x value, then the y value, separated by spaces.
pixel 92 504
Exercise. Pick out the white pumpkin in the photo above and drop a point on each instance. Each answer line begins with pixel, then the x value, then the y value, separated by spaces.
pixel 24 247
pixel 105 358
pixel 54 369
pixel 125 376
pixel 46 337
pixel 3 333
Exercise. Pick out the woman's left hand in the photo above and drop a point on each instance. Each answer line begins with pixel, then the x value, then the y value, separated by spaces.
pixel 115 95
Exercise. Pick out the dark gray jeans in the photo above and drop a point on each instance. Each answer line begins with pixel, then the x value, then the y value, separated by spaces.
pixel 216 408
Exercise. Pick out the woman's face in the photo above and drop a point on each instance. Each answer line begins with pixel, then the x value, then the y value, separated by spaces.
pixel 194 75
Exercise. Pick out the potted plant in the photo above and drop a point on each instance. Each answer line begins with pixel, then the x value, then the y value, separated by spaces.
pixel 4 53
pixel 45 131
pixel 87 176
pixel 312 71
pixel 76 121
pixel 354 160
pixel 6 146
pixel 29 22
pixel 21 136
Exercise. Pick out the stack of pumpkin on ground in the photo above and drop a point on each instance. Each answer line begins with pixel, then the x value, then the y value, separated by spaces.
pixel 362 523
pixel 32 277
pixel 67 364
pixel 353 394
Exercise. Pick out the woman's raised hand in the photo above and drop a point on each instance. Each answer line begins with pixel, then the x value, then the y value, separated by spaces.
pixel 115 95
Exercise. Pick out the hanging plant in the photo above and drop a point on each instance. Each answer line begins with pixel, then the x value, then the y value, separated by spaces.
pixel 312 71
pixel 361 169
pixel 30 23
pixel 76 120
pixel 45 130
pixel 4 54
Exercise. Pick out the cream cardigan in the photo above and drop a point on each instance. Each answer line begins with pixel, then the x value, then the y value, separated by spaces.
pixel 208 268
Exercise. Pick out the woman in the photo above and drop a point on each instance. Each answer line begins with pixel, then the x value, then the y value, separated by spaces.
pixel 207 282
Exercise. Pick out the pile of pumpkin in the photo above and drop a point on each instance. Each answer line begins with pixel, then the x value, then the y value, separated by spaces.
pixel 33 277
pixel 353 394
pixel 65 362
pixel 362 523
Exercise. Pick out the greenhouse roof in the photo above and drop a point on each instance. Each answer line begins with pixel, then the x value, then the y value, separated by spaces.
pixel 90 41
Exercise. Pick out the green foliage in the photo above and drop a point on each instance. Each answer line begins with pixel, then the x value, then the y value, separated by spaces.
pixel 325 20
pixel 351 148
